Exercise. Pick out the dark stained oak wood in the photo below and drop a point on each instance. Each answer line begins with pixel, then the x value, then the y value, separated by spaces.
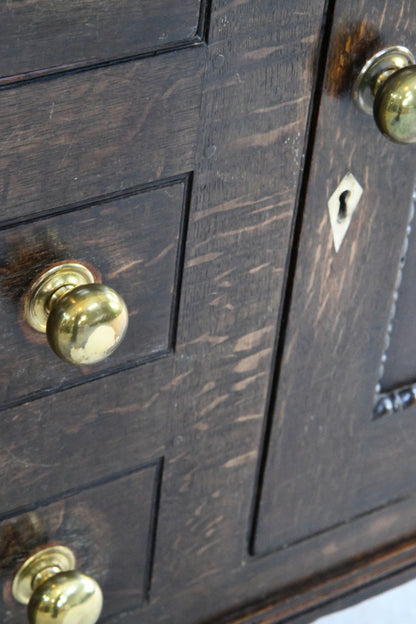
pixel 68 139
pixel 89 522
pixel 135 243
pixel 328 462
pixel 201 407
pixel 52 33
pixel 261 287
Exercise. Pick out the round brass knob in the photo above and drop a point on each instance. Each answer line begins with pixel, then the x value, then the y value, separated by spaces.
pixel 84 321
pixel 54 591
pixel 386 87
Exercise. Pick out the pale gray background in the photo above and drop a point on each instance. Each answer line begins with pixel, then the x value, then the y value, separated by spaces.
pixel 397 606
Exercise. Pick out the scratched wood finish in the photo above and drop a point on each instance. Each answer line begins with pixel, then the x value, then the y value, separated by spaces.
pixel 71 138
pixel 90 526
pixel 55 34
pixel 328 461
pixel 138 258
pixel 201 407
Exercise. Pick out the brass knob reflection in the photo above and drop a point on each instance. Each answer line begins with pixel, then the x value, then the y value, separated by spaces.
pixel 54 591
pixel 84 321
pixel 386 87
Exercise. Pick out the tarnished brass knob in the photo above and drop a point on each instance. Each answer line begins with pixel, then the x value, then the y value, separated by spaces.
pixel 84 321
pixel 386 87
pixel 54 591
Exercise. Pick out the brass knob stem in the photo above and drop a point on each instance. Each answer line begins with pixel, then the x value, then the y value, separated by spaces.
pixel 56 296
pixel 84 321
pixel 54 591
pixel 44 575
pixel 386 88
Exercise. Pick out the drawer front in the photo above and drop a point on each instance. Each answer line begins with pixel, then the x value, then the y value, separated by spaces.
pixel 135 242
pixel 85 135
pixel 54 34
pixel 110 527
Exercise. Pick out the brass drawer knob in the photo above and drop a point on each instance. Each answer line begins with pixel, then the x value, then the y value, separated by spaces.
pixel 386 87
pixel 84 321
pixel 54 591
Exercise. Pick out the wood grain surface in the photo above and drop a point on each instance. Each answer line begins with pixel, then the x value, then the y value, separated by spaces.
pixel 202 407
pixel 68 139
pixel 277 336
pixel 60 35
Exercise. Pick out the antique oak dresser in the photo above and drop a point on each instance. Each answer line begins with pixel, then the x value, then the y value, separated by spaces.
pixel 246 454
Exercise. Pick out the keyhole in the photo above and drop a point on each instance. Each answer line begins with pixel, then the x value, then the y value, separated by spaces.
pixel 343 209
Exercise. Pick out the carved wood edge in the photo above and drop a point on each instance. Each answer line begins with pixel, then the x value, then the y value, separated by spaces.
pixel 398 399
pixel 395 401
pixel 335 589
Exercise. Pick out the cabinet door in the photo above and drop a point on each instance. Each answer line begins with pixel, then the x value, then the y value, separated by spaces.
pixel 337 457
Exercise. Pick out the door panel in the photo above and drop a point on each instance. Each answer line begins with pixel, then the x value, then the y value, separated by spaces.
pixel 328 461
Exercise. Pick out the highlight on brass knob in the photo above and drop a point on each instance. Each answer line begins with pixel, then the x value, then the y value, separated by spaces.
pixel 386 88
pixel 54 591
pixel 84 321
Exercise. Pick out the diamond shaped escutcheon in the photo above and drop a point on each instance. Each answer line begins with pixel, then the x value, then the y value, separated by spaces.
pixel 342 205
